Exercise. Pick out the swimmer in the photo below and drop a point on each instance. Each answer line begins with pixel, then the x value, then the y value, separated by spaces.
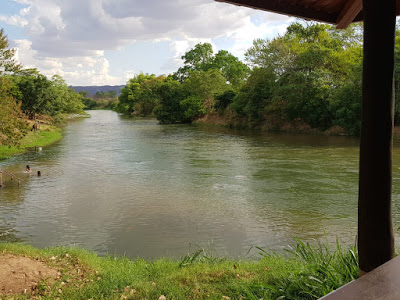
pixel 38 173
pixel 28 168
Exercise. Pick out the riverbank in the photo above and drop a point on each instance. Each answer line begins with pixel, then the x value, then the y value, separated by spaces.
pixel 44 136
pixel 295 127
pixel 307 272
pixel 272 124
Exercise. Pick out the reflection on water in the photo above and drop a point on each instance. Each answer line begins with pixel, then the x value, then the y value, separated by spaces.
pixel 136 188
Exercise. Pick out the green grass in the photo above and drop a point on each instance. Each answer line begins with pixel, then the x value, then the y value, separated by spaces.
pixel 305 272
pixel 44 137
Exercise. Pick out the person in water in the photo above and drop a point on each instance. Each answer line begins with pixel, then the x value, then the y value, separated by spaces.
pixel 28 168
pixel 38 173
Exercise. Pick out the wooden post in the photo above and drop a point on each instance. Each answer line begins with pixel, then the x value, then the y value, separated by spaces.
pixel 1 179
pixel 375 229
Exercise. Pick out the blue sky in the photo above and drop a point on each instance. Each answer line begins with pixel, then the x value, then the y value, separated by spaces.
pixel 106 42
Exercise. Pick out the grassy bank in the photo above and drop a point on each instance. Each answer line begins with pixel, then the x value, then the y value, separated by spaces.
pixel 306 272
pixel 45 136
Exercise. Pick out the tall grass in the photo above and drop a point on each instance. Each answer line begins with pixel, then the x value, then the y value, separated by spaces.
pixel 306 271
pixel 325 270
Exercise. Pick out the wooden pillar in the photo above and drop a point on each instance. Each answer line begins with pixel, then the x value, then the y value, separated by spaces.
pixel 375 230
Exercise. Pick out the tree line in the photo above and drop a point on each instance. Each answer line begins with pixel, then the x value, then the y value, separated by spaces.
pixel 25 94
pixel 308 77
pixel 100 100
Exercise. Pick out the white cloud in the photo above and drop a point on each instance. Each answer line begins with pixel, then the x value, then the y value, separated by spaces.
pixel 87 70
pixel 70 37
pixel 244 36
pixel 79 27
pixel 179 48
pixel 14 20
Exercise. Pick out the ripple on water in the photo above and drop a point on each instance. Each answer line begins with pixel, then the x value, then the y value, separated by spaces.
pixel 136 188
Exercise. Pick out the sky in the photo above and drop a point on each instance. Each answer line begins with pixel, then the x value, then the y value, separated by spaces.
pixel 107 42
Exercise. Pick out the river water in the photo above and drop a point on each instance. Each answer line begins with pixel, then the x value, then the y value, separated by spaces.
pixel 130 187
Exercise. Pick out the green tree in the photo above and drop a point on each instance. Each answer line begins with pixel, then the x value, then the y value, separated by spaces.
pixel 193 107
pixel 12 125
pixel 34 94
pixel 89 103
pixel 8 63
pixel 256 94
pixel 171 93
pixel 40 95
pixel 205 85
pixel 346 101
pixel 63 100
pixel 112 94
pixel 139 96
pixel 310 61
pixel 222 101
pixel 202 58
pixel 232 69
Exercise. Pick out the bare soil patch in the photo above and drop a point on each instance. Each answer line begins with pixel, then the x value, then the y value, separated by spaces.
pixel 19 274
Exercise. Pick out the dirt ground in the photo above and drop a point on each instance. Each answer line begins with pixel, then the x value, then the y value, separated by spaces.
pixel 19 274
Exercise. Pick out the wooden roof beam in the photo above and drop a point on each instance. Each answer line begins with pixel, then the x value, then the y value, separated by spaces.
pixel 278 6
pixel 349 13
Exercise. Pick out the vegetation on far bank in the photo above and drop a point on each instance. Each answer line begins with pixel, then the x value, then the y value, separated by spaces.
pixel 305 272
pixel 308 78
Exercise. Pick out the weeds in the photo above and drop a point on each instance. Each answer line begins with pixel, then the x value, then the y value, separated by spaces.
pixel 200 255
pixel 324 270
pixel 306 272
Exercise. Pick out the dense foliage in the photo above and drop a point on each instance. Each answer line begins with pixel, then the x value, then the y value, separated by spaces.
pixel 189 93
pixel 12 125
pixel 305 74
pixel 40 95
pixel 100 100
pixel 310 76
pixel 139 96
pixel 27 93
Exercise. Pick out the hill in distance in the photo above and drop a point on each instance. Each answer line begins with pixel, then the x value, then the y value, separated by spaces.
pixel 92 90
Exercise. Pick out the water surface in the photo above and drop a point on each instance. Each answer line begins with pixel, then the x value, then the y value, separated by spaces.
pixel 133 187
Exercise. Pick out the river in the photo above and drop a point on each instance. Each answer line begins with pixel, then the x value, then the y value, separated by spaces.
pixel 131 187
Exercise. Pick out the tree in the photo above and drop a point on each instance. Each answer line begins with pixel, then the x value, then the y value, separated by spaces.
pixel 193 107
pixel 61 99
pixel 233 70
pixel 206 84
pixel 139 96
pixel 256 94
pixel 310 62
pixel 171 93
pixel 202 58
pixel 40 95
pixel 8 63
pixel 34 94
pixel 12 126
pixel 222 101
